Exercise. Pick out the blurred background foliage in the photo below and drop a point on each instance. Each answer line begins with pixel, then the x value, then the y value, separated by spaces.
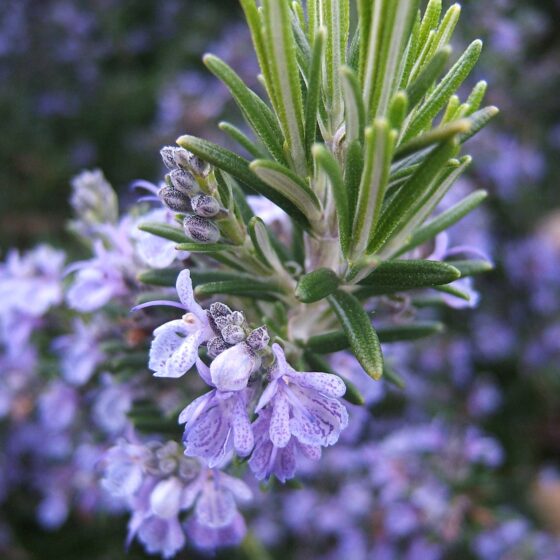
pixel 104 83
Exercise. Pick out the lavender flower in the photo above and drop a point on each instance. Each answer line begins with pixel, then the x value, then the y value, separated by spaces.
pixel 175 346
pixel 304 405
pixel 217 423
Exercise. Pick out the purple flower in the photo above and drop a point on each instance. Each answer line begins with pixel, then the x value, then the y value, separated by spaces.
pixel 230 371
pixel 268 459
pixel 216 424
pixel 98 280
pixel 304 405
pixel 79 351
pixel 155 251
pixel 216 521
pixel 162 536
pixel 174 349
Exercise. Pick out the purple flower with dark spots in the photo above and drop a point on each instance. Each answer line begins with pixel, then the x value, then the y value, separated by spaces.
pixel 174 349
pixel 216 424
pixel 268 459
pixel 304 405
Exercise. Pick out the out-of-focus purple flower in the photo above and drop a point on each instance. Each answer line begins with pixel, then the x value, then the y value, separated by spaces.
pixel 98 280
pixel 111 406
pixel 79 351
pixel 58 406
pixel 216 521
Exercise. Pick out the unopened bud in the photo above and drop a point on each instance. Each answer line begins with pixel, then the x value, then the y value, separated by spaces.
pixel 258 339
pixel 174 200
pixel 237 318
pixel 205 205
pixel 219 309
pixel 216 346
pixel 198 166
pixel 233 334
pixel 201 229
pixel 168 157
pixel 184 182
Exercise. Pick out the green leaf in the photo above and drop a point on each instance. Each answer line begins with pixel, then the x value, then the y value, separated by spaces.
pixel 328 163
pixel 471 267
pixel 159 277
pixel 478 120
pixel 400 275
pixel 398 109
pixel 360 332
pixel 316 285
pixel 353 104
pixel 398 19
pixel 239 168
pixel 476 96
pixel 379 141
pixel 445 220
pixel 427 77
pixel 164 230
pixel 352 176
pixel 313 92
pixel 243 286
pixel 193 247
pixel 454 291
pixel 444 90
pixel 412 195
pixel 392 377
pixel 281 48
pixel 255 111
pixel 241 138
pixel 288 185
pixel 334 341
pixel 262 244
pixel 434 136
pixel 430 20
pixel 335 16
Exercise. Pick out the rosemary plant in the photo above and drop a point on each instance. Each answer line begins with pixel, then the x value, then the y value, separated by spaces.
pixel 358 139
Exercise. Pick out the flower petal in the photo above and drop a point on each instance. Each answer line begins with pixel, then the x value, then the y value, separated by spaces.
pixel 325 383
pixel 231 370
pixel 186 295
pixel 280 422
pixel 183 358
pixel 243 440
pixel 317 419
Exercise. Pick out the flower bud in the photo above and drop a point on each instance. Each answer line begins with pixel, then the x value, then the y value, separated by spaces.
pixel 182 158
pixel 198 166
pixel 216 346
pixel 233 334
pixel 201 229
pixel 237 318
pixel 168 157
pixel 184 182
pixel 205 205
pixel 219 309
pixel 258 339
pixel 174 200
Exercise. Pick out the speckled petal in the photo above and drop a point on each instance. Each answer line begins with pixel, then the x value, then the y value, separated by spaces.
pixel 183 359
pixel 186 294
pixel 325 383
pixel 280 422
pixel 318 420
pixel 167 339
pixel 243 440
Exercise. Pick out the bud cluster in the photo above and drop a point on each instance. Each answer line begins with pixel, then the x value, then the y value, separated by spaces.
pixel 182 194
pixel 231 328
